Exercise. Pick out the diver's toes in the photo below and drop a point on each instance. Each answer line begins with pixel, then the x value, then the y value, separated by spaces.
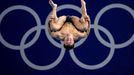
pixel 52 4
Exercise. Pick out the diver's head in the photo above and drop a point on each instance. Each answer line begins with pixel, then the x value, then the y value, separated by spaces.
pixel 69 41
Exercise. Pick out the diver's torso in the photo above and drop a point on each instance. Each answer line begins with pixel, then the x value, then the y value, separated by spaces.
pixel 69 28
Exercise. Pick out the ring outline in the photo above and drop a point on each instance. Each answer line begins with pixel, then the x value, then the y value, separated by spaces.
pixel 96 21
pixel 102 64
pixel 29 63
pixel 27 9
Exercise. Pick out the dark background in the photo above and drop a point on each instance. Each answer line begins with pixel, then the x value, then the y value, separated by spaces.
pixel 15 24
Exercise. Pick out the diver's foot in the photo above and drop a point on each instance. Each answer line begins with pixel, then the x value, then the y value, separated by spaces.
pixel 83 3
pixel 53 5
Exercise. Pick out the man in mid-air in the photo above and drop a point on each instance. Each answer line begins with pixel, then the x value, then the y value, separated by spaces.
pixel 69 29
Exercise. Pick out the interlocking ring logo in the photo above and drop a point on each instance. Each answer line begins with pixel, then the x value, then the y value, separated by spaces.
pixel 40 27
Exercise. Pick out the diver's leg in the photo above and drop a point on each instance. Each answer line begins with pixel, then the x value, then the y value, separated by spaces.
pixel 55 22
pixel 83 23
pixel 83 8
pixel 77 23
pixel 85 20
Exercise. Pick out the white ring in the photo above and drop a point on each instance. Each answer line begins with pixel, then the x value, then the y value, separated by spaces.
pixel 102 64
pixel 61 7
pixel 111 6
pixel 32 12
pixel 29 63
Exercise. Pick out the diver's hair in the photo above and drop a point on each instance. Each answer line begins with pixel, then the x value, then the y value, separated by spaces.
pixel 67 47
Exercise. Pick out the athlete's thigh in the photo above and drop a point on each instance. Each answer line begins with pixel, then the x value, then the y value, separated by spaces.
pixel 61 20
pixel 56 25
pixel 77 22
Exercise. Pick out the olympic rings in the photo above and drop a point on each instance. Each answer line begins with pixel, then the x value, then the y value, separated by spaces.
pixel 55 63
pixel 106 61
pixel 111 6
pixel 40 27
pixel 32 12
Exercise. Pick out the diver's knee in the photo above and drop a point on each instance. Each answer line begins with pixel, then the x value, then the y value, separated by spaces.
pixel 62 17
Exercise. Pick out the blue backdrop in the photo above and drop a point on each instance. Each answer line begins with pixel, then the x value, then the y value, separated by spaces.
pixel 118 22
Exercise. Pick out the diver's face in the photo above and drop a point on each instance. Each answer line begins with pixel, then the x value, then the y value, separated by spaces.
pixel 69 40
